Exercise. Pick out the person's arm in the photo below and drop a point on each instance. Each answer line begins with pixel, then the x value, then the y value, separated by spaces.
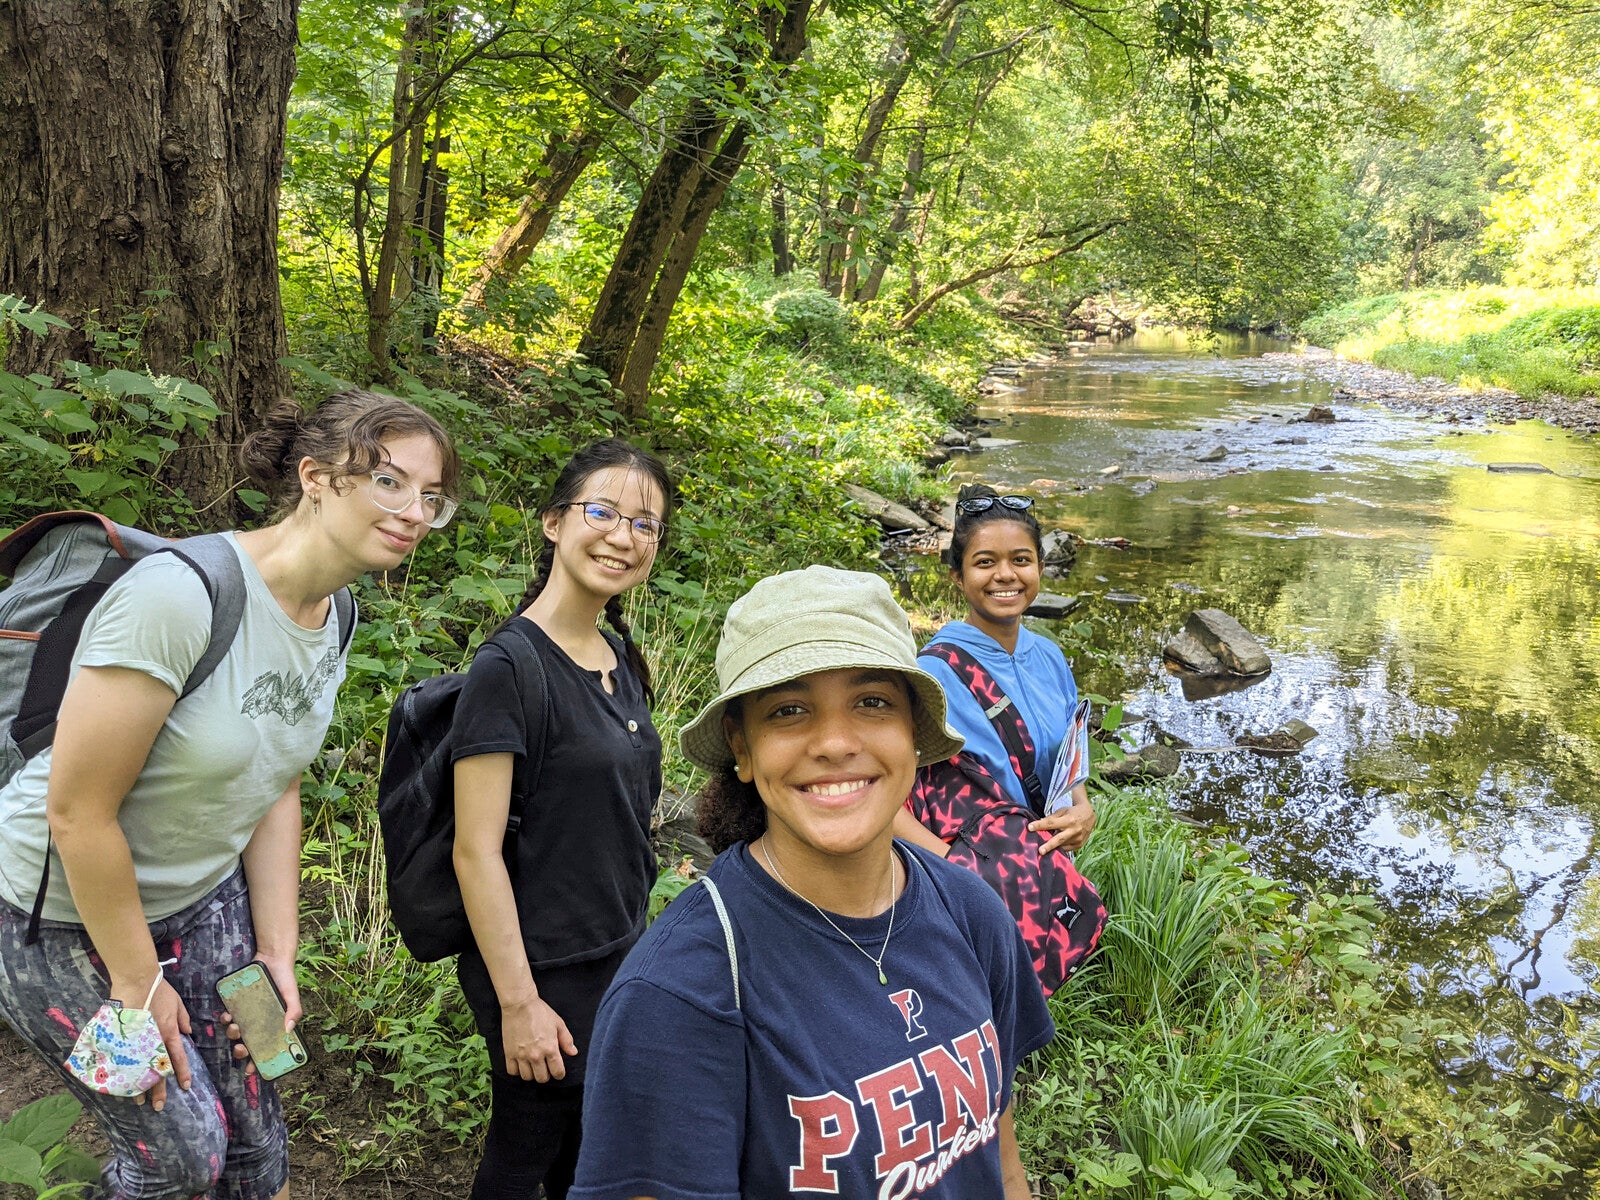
pixel 1071 826
pixel 1012 1173
pixel 109 719
pixel 535 1037
pixel 272 869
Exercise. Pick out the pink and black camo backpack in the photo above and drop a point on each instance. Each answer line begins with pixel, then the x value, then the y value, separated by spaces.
pixel 1057 909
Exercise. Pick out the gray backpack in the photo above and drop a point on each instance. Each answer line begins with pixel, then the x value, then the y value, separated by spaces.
pixel 60 565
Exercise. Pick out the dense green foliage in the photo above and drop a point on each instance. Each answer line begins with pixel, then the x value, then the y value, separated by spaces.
pixel 1529 341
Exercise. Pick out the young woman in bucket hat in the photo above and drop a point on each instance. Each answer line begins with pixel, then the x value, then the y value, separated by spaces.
pixel 835 1011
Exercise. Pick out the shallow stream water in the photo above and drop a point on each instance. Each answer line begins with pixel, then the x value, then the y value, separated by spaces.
pixel 1436 622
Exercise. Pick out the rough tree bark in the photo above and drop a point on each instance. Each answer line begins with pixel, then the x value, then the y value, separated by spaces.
pixel 139 183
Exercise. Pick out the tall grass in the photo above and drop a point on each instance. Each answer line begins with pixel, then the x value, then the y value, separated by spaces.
pixel 1191 1064
pixel 1530 341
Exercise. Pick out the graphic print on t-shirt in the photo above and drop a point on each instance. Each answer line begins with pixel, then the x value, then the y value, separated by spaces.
pixel 290 698
pixel 958 1083
pixel 910 1005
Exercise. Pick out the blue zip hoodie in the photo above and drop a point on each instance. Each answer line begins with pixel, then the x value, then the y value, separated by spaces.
pixel 1040 684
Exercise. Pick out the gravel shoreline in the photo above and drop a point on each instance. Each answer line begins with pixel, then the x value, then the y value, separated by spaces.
pixel 1363 381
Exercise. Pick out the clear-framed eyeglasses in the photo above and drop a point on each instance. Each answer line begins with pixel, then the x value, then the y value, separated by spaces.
pixel 605 518
pixel 395 495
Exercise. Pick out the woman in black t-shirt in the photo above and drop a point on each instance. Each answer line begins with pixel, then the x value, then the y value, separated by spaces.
pixel 552 929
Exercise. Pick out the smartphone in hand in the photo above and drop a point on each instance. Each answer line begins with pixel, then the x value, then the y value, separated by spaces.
pixel 252 998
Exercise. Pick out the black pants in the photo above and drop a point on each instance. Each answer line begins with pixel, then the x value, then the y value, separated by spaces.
pixel 534 1128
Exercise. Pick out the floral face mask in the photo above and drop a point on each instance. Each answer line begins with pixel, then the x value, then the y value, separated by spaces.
pixel 120 1051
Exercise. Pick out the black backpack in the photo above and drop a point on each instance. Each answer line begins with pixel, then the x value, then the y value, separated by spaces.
pixel 417 803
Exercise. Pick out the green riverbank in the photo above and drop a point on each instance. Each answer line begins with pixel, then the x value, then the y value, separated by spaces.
pixel 1527 340
pixel 1232 1040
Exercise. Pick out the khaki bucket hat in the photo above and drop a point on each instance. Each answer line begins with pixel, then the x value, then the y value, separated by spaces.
pixel 803 622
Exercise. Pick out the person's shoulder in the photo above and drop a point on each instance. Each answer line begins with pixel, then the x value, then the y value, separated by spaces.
pixel 163 589
pixel 685 954
pixel 964 892
pixel 1046 649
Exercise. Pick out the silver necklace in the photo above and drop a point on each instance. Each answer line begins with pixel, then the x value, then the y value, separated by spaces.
pixel 882 950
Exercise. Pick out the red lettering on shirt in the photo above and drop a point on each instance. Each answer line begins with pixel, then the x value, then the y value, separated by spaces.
pixel 960 1086
pixel 828 1129
pixel 902 1139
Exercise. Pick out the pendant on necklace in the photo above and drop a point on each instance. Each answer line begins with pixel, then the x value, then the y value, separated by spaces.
pixel 882 978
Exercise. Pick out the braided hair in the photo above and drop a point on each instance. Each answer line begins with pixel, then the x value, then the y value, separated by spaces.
pixel 593 458
pixel 967 523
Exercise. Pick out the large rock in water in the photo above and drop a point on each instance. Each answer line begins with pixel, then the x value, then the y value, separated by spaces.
pixel 1229 642
pixel 1190 653
pixel 885 512
pixel 1060 551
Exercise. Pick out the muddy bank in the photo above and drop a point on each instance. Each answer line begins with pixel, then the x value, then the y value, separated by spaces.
pixel 1363 381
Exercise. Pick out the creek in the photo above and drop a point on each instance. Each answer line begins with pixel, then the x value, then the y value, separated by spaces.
pixel 1434 621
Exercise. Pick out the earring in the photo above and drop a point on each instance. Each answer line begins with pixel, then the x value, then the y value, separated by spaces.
pixel 740 773
pixel 316 503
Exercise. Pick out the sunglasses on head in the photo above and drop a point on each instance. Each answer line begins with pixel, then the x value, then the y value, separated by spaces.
pixel 980 504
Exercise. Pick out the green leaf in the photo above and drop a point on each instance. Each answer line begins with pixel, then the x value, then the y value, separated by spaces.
pixel 73 422
pixel 88 483
pixel 43 1123
pixel 21 1164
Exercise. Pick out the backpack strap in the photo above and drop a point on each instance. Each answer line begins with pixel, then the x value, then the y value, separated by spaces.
pixel 215 561
pixel 727 936
pixel 1001 712
pixel 536 704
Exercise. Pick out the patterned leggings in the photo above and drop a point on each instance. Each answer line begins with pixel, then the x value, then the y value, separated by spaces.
pixel 225 1137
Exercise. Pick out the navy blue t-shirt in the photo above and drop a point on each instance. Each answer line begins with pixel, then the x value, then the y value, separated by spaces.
pixel 819 1081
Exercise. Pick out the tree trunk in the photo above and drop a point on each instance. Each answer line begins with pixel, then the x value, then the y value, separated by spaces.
pixel 658 224
pixel 427 261
pixel 614 325
pixel 566 157
pixel 782 256
pixel 868 291
pixel 713 185
pixel 139 188
pixel 415 75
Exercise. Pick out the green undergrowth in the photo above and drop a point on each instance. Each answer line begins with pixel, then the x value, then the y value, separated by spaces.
pixel 1233 1040
pixel 1529 341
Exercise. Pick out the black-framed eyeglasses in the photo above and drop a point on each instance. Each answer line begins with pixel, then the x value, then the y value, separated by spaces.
pixel 396 495
pixel 980 504
pixel 605 518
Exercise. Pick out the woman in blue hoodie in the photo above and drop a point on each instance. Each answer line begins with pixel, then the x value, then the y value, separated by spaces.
pixel 994 558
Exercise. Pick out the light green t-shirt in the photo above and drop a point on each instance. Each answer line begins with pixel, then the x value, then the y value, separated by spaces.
pixel 225 753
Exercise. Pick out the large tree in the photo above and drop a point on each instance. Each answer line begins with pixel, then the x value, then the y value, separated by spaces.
pixel 139 192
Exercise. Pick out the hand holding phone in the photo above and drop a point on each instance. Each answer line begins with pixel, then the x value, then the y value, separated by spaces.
pixel 257 1008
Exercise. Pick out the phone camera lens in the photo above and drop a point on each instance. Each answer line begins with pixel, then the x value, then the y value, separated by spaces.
pixel 297 1054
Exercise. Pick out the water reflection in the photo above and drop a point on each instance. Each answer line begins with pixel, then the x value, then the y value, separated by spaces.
pixel 1435 621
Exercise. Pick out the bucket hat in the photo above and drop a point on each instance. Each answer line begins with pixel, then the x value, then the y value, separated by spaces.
pixel 803 622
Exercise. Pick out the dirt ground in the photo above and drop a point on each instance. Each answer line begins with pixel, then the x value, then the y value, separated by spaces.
pixel 1363 381
pixel 316 1171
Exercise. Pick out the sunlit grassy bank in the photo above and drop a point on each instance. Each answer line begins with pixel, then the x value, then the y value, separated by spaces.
pixel 1527 340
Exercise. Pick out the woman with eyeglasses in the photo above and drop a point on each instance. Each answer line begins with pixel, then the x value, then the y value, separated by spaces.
pixel 995 559
pixel 165 822
pixel 556 905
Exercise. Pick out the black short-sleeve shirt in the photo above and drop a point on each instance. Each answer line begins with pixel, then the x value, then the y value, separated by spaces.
pixel 584 864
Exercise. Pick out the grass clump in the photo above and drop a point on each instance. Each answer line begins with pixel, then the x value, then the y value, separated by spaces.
pixel 1528 340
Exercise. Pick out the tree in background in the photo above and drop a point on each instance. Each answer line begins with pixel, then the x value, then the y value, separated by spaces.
pixel 139 196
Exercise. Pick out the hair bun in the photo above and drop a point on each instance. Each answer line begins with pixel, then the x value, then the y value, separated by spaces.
pixel 265 453
pixel 975 491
